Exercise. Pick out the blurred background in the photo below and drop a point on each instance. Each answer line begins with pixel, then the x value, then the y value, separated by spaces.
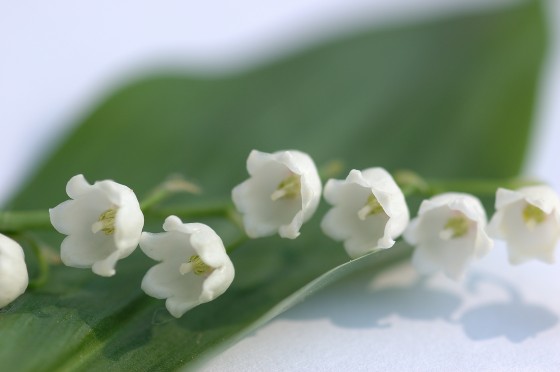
pixel 59 58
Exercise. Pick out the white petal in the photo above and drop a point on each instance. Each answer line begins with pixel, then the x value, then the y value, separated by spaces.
pixel 13 271
pixel 263 216
pixel 77 186
pixel 410 235
pixel 291 230
pixel 184 289
pixel 83 251
pixel 162 280
pixel 542 196
pixel 464 203
pixel 66 218
pixel 483 243
pixel 218 282
pixel 77 218
pixel 172 246
pixel 302 164
pixel 257 160
pixel 452 256
pixel 527 241
pixel 106 266
pixel 179 306
pixel 334 224
pixel 207 244
pixel 505 197
pixel 494 228
pixel 343 221
pixel 129 222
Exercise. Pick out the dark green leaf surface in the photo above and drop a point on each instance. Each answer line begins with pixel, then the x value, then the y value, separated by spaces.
pixel 452 97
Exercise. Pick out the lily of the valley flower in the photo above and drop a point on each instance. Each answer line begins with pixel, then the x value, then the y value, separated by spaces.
pixel 13 271
pixel 369 211
pixel 282 193
pixel 103 222
pixel 528 219
pixel 448 233
pixel 194 267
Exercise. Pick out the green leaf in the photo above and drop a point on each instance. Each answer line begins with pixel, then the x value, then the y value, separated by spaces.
pixel 452 97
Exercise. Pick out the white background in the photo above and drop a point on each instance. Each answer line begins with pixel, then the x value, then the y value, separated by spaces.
pixel 57 57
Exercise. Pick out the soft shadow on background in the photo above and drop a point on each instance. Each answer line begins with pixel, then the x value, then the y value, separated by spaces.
pixel 359 302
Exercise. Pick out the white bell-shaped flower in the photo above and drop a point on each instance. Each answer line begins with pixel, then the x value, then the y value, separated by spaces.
pixel 282 193
pixel 369 211
pixel 528 219
pixel 13 271
pixel 194 267
pixel 448 233
pixel 103 222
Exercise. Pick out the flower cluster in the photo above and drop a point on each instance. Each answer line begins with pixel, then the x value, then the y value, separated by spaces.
pixel 369 212
pixel 104 223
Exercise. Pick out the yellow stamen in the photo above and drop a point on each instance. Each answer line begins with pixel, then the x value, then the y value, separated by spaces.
pixel 372 207
pixel 455 227
pixel 196 265
pixel 289 188
pixel 533 216
pixel 106 222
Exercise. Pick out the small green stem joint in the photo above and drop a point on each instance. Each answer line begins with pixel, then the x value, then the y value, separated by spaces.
pixel 411 183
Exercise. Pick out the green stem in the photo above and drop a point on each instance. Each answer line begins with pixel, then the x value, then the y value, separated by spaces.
pixel 330 170
pixel 478 187
pixel 154 198
pixel 170 187
pixel 19 221
pixel 24 220
pixel 201 211
pixel 236 244
pixel 414 185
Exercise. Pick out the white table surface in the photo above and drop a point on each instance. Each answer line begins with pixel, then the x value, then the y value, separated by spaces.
pixel 58 56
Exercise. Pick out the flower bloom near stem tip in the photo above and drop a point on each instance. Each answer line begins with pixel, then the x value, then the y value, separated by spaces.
pixel 369 211
pixel 528 219
pixel 194 267
pixel 282 193
pixel 448 233
pixel 13 271
pixel 103 222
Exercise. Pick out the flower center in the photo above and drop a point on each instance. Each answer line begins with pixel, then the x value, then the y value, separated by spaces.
pixel 533 216
pixel 106 222
pixel 371 208
pixel 455 227
pixel 289 188
pixel 195 265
